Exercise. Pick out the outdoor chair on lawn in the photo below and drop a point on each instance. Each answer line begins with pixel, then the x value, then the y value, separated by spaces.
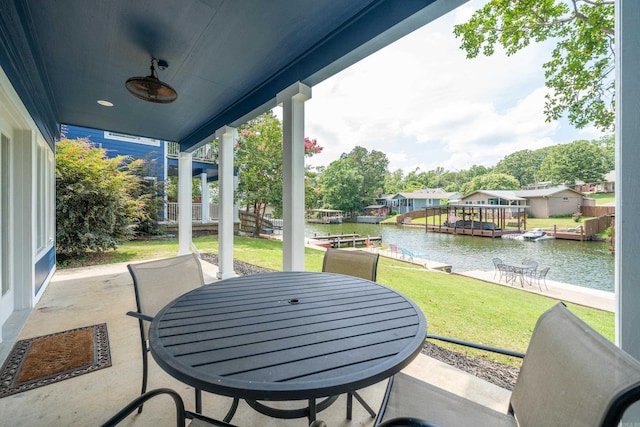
pixel 571 375
pixel 358 264
pixel 395 250
pixel 181 413
pixel 156 283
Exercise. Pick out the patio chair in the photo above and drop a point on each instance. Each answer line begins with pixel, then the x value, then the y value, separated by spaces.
pixel 395 250
pixel 531 273
pixel 571 375
pixel 358 264
pixel 496 262
pixel 181 413
pixel 542 276
pixel 507 272
pixel 156 283
pixel 352 263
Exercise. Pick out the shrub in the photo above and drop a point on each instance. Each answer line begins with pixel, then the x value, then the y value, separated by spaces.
pixel 94 207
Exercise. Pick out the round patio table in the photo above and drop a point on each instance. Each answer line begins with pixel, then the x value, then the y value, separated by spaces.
pixel 287 336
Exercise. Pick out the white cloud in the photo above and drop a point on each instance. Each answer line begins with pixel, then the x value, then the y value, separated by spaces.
pixel 423 104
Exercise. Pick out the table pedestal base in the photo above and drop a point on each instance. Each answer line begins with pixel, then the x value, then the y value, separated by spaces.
pixel 309 411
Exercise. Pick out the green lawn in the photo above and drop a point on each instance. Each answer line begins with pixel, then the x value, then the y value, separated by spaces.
pixel 454 305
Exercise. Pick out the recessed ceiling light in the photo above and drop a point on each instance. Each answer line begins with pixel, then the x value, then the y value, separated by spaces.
pixel 105 103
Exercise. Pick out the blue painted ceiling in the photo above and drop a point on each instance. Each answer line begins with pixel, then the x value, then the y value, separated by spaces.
pixel 227 58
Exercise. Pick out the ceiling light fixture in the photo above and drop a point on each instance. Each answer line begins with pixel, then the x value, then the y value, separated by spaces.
pixel 150 88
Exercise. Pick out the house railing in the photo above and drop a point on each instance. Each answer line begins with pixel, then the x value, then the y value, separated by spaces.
pixel 171 210
pixel 206 153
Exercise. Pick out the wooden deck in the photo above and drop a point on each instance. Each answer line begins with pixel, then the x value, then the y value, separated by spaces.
pixel 468 231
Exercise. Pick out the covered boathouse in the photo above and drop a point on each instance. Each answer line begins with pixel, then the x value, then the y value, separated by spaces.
pixel 477 220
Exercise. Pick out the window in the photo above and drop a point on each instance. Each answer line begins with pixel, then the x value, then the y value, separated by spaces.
pixel 565 199
pixel 45 197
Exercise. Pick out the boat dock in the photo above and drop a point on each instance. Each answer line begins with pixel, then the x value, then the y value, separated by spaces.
pixel 342 240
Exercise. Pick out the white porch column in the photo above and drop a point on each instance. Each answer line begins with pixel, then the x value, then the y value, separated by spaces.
pixel 292 100
pixel 204 190
pixel 226 137
pixel 236 213
pixel 184 203
pixel 627 232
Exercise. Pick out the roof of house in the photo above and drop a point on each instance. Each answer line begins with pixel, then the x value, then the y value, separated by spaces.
pixel 524 194
pixel 424 195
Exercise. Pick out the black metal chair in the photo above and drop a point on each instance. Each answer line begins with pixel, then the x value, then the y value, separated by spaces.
pixel 358 264
pixel 181 413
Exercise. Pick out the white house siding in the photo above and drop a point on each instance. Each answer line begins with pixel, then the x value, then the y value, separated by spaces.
pixel 27 209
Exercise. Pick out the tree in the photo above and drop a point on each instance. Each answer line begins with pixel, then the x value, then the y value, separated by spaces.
pixel 580 160
pixel 580 73
pixel 492 181
pixel 373 170
pixel 259 162
pixel 393 182
pixel 95 210
pixel 340 186
pixel 523 165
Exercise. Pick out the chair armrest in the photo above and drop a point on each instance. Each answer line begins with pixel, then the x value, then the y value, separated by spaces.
pixel 478 346
pixel 134 404
pixel 181 414
pixel 140 316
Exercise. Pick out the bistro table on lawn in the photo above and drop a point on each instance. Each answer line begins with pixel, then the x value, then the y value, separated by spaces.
pixel 522 271
pixel 287 336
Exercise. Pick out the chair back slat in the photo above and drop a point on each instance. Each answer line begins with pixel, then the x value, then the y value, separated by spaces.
pixel 571 374
pixel 159 282
pixel 352 263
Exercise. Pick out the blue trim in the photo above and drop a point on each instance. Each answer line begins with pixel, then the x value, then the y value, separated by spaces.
pixel 23 67
pixel 43 268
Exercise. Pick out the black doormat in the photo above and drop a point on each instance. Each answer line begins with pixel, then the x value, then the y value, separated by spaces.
pixel 40 361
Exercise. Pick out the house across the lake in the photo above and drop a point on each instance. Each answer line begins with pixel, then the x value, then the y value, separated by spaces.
pixel 417 200
pixel 542 203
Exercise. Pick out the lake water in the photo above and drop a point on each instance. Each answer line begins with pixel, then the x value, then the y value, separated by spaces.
pixel 588 264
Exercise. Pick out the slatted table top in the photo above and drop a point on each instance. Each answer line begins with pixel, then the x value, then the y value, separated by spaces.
pixel 287 336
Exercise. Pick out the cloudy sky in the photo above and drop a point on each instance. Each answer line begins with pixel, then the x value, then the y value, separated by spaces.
pixel 423 104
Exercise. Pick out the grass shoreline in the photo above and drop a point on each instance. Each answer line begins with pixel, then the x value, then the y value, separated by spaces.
pixel 454 305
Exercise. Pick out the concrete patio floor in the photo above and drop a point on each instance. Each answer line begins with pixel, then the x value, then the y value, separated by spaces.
pixel 103 294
